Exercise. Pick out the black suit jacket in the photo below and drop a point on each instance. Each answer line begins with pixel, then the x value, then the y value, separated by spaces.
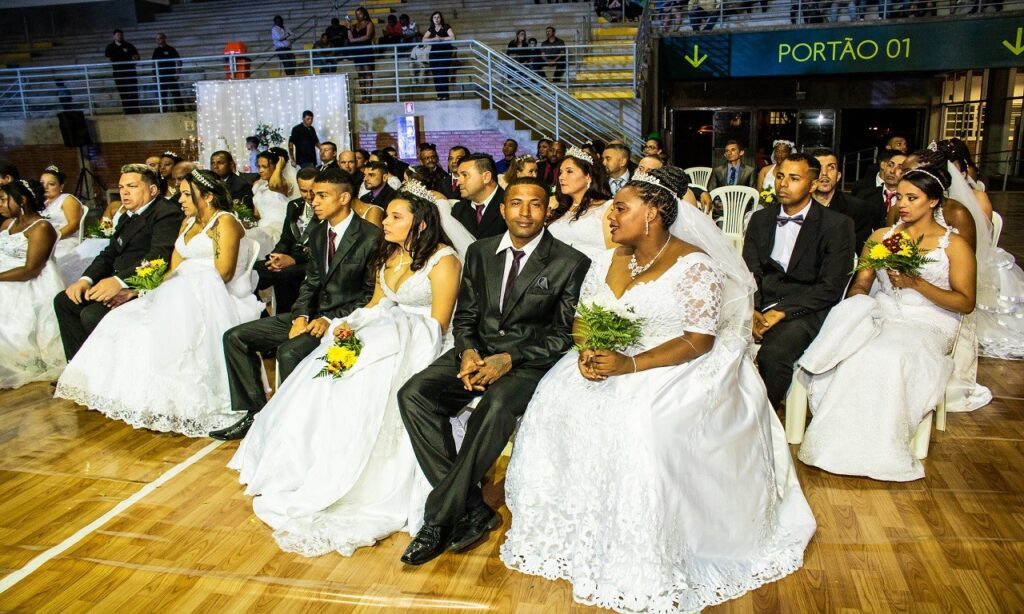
pixel 140 237
pixel 387 194
pixel 719 177
pixel 445 187
pixel 547 171
pixel 335 290
pixel 331 164
pixel 819 268
pixel 295 242
pixel 491 224
pixel 535 328
pixel 239 188
pixel 867 216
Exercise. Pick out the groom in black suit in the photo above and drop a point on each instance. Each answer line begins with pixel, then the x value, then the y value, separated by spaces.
pixel 801 255
pixel 146 231
pixel 338 280
pixel 480 209
pixel 513 322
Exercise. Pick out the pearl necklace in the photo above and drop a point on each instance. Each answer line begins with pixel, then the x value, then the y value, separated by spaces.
pixel 635 270
pixel 401 262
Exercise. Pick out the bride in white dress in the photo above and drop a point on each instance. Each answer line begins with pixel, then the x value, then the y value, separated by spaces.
pixel 659 479
pixel 29 337
pixel 328 460
pixel 897 338
pixel 580 207
pixel 271 204
pixel 157 362
pixel 67 214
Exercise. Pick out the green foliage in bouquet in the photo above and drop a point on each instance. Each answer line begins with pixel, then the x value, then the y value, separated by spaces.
pixel 606 329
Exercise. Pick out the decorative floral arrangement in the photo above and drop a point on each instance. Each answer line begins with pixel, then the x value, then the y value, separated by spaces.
pixel 341 356
pixel 268 135
pixel 245 214
pixel 897 252
pixel 767 198
pixel 103 229
pixel 148 275
pixel 607 327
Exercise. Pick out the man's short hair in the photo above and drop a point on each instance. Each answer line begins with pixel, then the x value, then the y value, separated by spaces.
pixel 483 163
pixel 220 152
pixel 118 31
pixel 825 152
pixel 331 143
pixel 148 175
pixel 364 153
pixel 305 174
pixel 619 148
pixel 377 165
pixel 307 113
pixel 426 146
pixel 734 142
pixel 513 141
pixel 337 177
pixel 812 163
pixel 8 169
pixel 886 154
pixel 462 147
pixel 527 181
pixel 252 139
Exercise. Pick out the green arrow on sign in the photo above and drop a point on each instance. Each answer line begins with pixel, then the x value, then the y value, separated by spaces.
pixel 1014 49
pixel 696 60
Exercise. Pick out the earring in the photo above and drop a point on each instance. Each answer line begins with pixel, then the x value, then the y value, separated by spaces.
pixel 647 227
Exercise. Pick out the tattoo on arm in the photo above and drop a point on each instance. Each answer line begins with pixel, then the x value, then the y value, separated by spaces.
pixel 215 235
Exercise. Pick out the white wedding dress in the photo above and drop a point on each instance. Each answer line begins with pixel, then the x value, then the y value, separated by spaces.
pixel 667 490
pixel 328 460
pixel 272 208
pixel 879 364
pixel 157 362
pixel 68 263
pixel 585 234
pixel 29 338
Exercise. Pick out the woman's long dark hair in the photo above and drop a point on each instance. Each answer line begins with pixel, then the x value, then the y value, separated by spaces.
pixel 933 181
pixel 515 41
pixel 444 24
pixel 220 197
pixel 28 193
pixel 598 191
pixel 421 244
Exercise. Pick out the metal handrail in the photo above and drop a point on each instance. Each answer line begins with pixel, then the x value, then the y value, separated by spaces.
pixel 858 157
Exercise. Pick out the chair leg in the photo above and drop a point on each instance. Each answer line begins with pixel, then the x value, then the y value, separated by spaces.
pixel 277 376
pixel 796 411
pixel 922 437
pixel 940 412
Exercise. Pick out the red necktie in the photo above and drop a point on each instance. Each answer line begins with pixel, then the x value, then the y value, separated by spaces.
pixel 479 213
pixel 331 236
pixel 888 200
pixel 455 185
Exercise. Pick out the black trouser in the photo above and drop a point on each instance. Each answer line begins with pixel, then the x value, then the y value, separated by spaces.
pixel 286 283
pixel 169 91
pixel 243 345
pixel 781 347
pixel 127 84
pixel 441 70
pixel 428 400
pixel 287 61
pixel 76 322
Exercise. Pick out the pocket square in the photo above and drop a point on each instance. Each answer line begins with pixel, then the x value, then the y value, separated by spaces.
pixel 542 283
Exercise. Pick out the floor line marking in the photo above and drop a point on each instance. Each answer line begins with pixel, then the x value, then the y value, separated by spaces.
pixel 19 575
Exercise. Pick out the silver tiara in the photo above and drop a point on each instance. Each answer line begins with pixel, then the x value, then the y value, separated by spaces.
pixel 417 189
pixel 170 154
pixel 778 142
pixel 651 180
pixel 921 170
pixel 25 183
pixel 52 167
pixel 206 183
pixel 579 154
pixel 933 146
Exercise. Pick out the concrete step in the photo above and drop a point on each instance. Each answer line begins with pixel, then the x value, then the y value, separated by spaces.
pixel 619 93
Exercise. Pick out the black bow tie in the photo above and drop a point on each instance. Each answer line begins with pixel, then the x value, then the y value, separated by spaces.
pixel 782 220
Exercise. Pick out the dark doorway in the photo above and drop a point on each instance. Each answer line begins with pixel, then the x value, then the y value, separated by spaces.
pixel 867 128
pixel 692 138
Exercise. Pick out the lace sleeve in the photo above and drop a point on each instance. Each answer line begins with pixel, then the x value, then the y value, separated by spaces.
pixel 699 290
pixel 594 281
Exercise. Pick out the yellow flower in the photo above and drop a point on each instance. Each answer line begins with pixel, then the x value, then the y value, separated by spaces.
pixel 904 252
pixel 341 356
pixel 158 262
pixel 144 271
pixel 878 252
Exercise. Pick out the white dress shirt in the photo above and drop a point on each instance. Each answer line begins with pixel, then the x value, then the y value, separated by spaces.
pixel 617 184
pixel 339 231
pixel 506 246
pixel 129 215
pixel 785 237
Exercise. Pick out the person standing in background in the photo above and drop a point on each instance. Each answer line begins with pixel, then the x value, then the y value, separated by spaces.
pixel 167 68
pixel 282 38
pixel 122 56
pixel 303 142
pixel 439 36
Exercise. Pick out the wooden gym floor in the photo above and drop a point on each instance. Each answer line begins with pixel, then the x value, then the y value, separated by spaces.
pixel 95 516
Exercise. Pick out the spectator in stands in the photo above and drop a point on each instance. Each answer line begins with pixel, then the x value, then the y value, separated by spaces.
pixel 328 156
pixel 508 153
pixel 439 36
pixel 733 172
pixel 703 14
pixel 122 56
pixel 434 176
pixel 553 53
pixel 891 171
pixel 322 59
pixel 303 142
pixel 548 169
pixel 392 31
pixel 336 33
pixel 455 154
pixel 375 180
pixel 167 68
pixel 519 49
pixel 223 165
pixel 252 145
pixel 283 39
pixel 362 34
pixel 410 31
pixel 535 58
pixel 616 162
pixel 866 216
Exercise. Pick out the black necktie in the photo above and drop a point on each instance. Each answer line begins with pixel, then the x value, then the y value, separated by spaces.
pixel 513 274
pixel 331 236
pixel 732 175
pixel 782 220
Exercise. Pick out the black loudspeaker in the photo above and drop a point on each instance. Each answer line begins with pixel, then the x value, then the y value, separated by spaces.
pixel 74 129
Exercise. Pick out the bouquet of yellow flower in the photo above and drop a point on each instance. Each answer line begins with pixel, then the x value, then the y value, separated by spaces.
pixel 607 327
pixel 148 275
pixel 767 198
pixel 898 252
pixel 104 229
pixel 341 356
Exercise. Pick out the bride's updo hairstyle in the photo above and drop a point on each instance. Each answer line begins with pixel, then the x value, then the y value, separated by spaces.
pixel 28 193
pixel 933 181
pixel 674 183
pixel 927 158
pixel 597 192
pixel 56 173
pixel 269 156
pixel 421 243
pixel 211 188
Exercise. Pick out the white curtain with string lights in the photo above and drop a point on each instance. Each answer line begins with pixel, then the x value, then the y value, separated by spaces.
pixel 229 111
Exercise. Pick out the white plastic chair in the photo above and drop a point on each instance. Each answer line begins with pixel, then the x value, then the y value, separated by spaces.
pixel 735 199
pixel 81 223
pixel 997 228
pixel 699 176
pixel 796 413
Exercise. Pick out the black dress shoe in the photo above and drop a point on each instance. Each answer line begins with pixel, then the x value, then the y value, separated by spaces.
pixel 428 544
pixel 236 430
pixel 472 527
